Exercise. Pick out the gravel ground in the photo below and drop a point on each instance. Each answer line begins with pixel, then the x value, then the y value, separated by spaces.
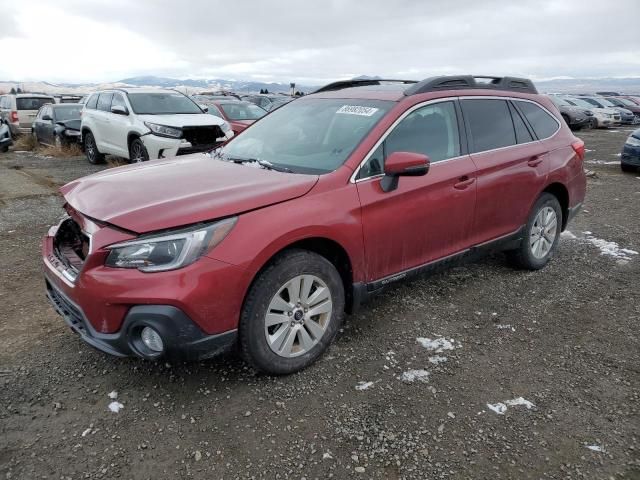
pixel 386 401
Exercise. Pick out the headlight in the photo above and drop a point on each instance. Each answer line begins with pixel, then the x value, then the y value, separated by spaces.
pixel 633 141
pixel 226 127
pixel 163 130
pixel 171 250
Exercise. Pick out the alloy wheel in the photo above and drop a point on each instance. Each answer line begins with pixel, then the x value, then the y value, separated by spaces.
pixel 543 232
pixel 137 155
pixel 298 316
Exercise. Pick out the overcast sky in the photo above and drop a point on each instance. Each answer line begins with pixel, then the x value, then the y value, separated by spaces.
pixel 313 41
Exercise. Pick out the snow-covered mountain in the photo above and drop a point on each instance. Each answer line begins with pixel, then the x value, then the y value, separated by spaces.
pixel 561 85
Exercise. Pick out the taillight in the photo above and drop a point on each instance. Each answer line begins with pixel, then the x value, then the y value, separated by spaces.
pixel 13 117
pixel 578 147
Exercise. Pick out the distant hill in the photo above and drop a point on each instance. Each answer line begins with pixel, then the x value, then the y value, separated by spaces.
pixel 561 85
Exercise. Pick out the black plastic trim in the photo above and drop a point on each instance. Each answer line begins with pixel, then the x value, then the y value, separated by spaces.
pixel 182 338
pixel 341 84
pixel 469 82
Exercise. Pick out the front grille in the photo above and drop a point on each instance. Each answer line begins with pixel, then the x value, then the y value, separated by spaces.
pixel 67 310
pixel 203 136
pixel 71 244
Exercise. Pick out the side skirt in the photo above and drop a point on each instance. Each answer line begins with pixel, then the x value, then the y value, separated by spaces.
pixel 363 292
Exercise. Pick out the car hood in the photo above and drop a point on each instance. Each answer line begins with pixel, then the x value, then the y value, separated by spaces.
pixel 73 124
pixel 171 193
pixel 610 111
pixel 187 120
pixel 624 111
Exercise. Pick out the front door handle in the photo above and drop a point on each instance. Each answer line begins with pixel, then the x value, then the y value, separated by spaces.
pixel 463 182
pixel 534 161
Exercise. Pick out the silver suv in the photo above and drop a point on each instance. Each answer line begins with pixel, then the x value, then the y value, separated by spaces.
pixel 20 110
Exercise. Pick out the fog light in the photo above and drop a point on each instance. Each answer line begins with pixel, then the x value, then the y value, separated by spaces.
pixel 152 339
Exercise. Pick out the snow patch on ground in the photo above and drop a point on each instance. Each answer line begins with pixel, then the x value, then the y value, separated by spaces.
pixel 603 162
pixel 113 395
pixel 505 327
pixel 437 359
pixel 363 385
pixel 501 407
pixel 595 448
pixel 115 407
pixel 437 345
pixel 411 376
pixel 611 249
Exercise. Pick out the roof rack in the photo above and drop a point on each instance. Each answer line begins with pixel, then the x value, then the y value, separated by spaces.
pixel 361 82
pixel 464 82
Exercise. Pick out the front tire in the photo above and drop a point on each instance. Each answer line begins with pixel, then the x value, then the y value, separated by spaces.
pixel 542 233
pixel 91 149
pixel 292 313
pixel 138 152
pixel 627 168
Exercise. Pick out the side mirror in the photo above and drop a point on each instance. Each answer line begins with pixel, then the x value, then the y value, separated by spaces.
pixel 119 110
pixel 47 118
pixel 403 164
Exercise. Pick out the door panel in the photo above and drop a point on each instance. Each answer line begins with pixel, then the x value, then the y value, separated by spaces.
pixel 424 219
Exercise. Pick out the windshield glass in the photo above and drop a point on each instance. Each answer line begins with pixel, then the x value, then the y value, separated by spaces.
pixel 242 111
pixel 67 113
pixel 312 135
pixel 578 102
pixel 604 102
pixel 560 101
pixel 162 103
pixel 32 103
pixel 626 102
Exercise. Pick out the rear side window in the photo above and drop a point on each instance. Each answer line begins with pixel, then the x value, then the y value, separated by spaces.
pixel 104 102
pixel 522 132
pixel 543 124
pixel 92 101
pixel 31 103
pixel 490 123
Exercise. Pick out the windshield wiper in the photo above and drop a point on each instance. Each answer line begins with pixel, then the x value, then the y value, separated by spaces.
pixel 262 163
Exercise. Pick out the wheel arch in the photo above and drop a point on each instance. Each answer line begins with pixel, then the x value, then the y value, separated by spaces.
pixel 560 191
pixel 326 247
pixel 131 136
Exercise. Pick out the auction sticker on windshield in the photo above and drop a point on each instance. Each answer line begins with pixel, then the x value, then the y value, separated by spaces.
pixel 357 110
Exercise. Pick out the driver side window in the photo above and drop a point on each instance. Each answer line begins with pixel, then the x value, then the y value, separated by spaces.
pixel 431 130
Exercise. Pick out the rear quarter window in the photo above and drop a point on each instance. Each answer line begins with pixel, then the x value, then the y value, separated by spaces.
pixel 543 124
pixel 92 101
pixel 104 102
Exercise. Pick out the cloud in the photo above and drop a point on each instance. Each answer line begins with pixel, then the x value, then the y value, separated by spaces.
pixel 316 41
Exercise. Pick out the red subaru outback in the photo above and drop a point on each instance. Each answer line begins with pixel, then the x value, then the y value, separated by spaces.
pixel 267 241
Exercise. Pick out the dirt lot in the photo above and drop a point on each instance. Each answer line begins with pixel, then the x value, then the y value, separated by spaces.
pixel 565 339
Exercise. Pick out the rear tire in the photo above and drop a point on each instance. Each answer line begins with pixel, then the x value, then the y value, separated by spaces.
pixel 91 149
pixel 279 331
pixel 138 152
pixel 541 235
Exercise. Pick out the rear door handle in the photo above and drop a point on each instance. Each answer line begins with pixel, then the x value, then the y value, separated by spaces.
pixel 535 161
pixel 463 182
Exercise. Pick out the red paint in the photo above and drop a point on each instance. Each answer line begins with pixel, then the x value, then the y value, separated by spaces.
pixel 461 202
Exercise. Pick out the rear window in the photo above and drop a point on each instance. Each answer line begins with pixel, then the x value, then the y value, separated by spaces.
pixel 31 103
pixel 543 124
pixel 522 132
pixel 490 123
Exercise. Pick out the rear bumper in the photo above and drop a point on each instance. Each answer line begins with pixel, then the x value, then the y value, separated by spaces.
pixel 182 338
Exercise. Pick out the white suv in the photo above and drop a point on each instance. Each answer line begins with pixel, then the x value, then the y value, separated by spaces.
pixel 141 124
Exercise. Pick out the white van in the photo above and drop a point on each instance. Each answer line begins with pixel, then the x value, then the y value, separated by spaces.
pixel 20 110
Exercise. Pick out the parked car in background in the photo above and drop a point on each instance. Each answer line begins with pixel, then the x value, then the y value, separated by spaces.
pixel 309 212
pixel 626 104
pixel 268 102
pixel 237 113
pixel 5 137
pixel 633 98
pixel 141 124
pixel 630 156
pixel 58 124
pixel 576 117
pixel 626 116
pixel 19 110
pixel 68 98
pixel 203 98
pixel 602 117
